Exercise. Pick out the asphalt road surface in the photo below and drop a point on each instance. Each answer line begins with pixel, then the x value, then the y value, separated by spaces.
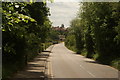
pixel 67 64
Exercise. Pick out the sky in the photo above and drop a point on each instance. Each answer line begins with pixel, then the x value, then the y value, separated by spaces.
pixel 63 12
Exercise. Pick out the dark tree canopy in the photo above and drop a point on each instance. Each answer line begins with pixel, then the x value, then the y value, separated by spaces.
pixel 97 29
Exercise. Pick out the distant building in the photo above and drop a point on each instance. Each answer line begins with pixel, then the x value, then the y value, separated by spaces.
pixel 62 30
pixel 59 28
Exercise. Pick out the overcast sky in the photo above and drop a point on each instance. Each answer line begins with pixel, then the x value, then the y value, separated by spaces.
pixel 63 12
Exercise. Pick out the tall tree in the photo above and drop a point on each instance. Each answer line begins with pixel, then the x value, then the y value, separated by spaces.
pixel 78 35
pixel 23 32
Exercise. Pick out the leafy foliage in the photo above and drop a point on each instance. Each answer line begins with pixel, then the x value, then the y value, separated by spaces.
pixel 77 31
pixel 54 35
pixel 70 40
pixel 99 25
pixel 25 27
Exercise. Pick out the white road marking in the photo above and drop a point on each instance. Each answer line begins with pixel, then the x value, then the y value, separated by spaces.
pixel 88 71
pixel 51 70
pixel 91 74
pixel 84 68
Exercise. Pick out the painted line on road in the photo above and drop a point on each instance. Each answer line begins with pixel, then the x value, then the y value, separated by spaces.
pixel 91 74
pixel 84 69
pixel 50 66
pixel 88 71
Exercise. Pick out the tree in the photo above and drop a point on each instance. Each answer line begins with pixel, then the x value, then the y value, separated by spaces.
pixel 62 25
pixel 100 23
pixel 78 35
pixel 23 33
pixel 102 28
pixel 89 44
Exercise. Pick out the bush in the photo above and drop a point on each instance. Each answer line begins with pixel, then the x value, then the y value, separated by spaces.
pixel 70 42
pixel 116 63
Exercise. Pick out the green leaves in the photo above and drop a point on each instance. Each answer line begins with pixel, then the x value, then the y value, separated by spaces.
pixel 25 26
pixel 25 18
pixel 98 25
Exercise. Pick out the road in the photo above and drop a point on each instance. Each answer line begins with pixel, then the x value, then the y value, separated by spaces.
pixel 67 64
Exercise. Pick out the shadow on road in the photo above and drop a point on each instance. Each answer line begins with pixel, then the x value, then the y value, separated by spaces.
pixel 35 70
pixel 92 62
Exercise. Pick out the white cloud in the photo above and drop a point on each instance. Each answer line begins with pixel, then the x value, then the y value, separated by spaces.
pixel 63 12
